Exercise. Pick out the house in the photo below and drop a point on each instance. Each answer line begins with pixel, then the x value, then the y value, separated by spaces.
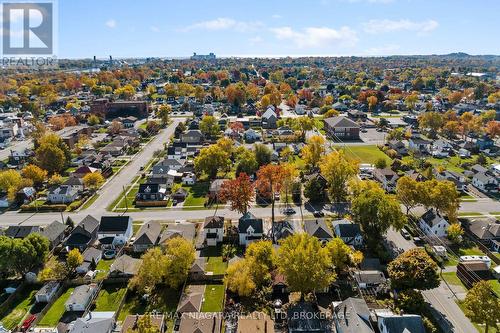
pixel 115 230
pixel 185 230
pixel 196 322
pixel 62 194
pixel 339 106
pixel 75 182
pixel 197 269
pixel 485 182
pixel 250 229
pixel 256 322
pixel 93 324
pixel 341 128
pixel 282 230
pixel 441 149
pixel 213 230
pixel 318 229
pixel 349 232
pixel 486 230
pixel 84 234
pixel 47 292
pixel 162 167
pixel 130 323
pixel 250 135
pixel 433 224
pixel 83 171
pixel 469 272
pixel 369 279
pixel 357 115
pixel 352 316
pixel 387 178
pixel 54 232
pixel 180 195
pixel 26 195
pixel 457 178
pixel 191 299
pixel 125 266
pixel 151 194
pixel 306 317
pixel 389 322
pixel 147 236
pixel 81 297
pixel 269 118
pixel 91 257
pixel 192 137
pixel 398 146
pixel 419 144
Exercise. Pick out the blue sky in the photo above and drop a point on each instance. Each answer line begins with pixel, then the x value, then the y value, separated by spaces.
pixel 139 28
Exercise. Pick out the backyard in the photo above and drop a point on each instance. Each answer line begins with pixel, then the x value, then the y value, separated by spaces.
pixel 19 308
pixel 213 298
pixel 103 268
pixel 52 317
pixel 214 260
pixel 110 297
pixel 163 300
pixel 365 153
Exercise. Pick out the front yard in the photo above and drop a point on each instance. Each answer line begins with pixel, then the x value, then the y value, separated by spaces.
pixel 52 317
pixel 196 194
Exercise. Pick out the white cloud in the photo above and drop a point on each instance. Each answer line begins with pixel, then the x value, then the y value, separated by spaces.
pixel 111 23
pixel 317 36
pixel 154 28
pixel 224 23
pixel 380 26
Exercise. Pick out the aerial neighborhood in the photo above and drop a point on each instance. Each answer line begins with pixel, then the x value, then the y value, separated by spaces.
pixel 207 195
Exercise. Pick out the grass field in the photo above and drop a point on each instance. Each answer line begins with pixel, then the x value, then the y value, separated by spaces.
pixel 214 298
pixel 110 297
pixel 103 268
pixel 196 194
pixel 164 301
pixel 365 154
pixel 56 311
pixel 19 309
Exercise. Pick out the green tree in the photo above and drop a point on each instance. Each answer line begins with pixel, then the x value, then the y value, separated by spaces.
pixel 413 269
pixel 313 150
pixel 340 253
pixel 246 162
pixel 152 273
pixel 209 126
pixel 262 260
pixel 305 264
pixel 239 278
pixel 180 254
pixel 408 192
pixel 22 255
pixel 53 270
pixel 314 190
pixel 376 211
pixel 337 169
pixel 93 120
pixel 262 154
pixel 50 158
pixel 482 306
pixel 164 113
pixel 381 163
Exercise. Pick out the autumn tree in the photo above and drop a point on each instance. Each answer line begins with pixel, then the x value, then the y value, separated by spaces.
pixel 9 179
pixel 93 180
pixel 376 212
pixel 93 120
pixel 144 324
pixel 239 192
pixel 340 253
pixel 269 182
pixel 262 259
pixel 35 173
pixel 53 270
pixel 455 233
pixel 313 151
pixel 372 101
pixel 262 154
pixel 152 273
pixel 51 153
pixel 430 122
pixel 209 126
pixel 482 306
pixel 301 251
pixel 408 192
pixel 211 160
pixel 413 269
pixel 164 113
pixel 180 255
pixel 246 162
pixel 239 278
pixel 74 259
pixel 493 129
pixel 337 169
pixel 115 127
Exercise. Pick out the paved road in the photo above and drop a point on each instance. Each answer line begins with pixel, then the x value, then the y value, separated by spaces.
pixel 441 298
pixel 111 189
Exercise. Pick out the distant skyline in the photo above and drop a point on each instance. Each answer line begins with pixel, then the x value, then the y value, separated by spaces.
pixel 156 28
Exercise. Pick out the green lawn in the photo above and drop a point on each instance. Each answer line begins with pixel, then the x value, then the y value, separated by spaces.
pixel 214 298
pixel 56 311
pixel 471 251
pixel 365 154
pixel 110 297
pixel 103 268
pixel 216 265
pixel 197 194
pixel 19 309
pixel 164 300
pixel 469 214
pixel 454 163
pixel 90 201
pixel 452 278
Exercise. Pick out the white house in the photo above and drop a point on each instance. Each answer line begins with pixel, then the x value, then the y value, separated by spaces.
pixel 62 194
pixel 189 178
pixel 485 182
pixel 47 292
pixel 213 230
pixel 389 322
pixel 349 232
pixel 114 230
pixel 81 297
pixel 433 224
pixel 250 229
pixel 387 178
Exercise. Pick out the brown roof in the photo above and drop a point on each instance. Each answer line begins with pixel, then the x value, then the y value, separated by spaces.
pixel 130 322
pixel 191 299
pixel 255 323
pixel 197 322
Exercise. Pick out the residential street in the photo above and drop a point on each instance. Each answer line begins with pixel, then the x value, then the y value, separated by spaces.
pixel 16 146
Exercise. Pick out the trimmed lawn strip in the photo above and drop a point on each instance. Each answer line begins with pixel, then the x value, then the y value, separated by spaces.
pixel 103 268
pixel 365 154
pixel 110 297
pixel 52 317
pixel 90 201
pixel 20 309
pixel 213 298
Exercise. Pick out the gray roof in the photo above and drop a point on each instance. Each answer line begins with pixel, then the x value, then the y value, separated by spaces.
pixel 185 230
pixel 53 230
pixel 247 220
pixel 318 228
pixel 92 325
pixel 431 217
pixel 403 324
pixel 148 233
pixel 126 265
pixel 80 294
pixel 341 121
pixel 353 316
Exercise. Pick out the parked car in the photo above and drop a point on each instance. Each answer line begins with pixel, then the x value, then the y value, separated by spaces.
pixel 289 211
pixel 405 234
pixel 318 213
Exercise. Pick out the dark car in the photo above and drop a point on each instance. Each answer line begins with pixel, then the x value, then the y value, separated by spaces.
pixel 318 213
pixel 405 234
pixel 289 211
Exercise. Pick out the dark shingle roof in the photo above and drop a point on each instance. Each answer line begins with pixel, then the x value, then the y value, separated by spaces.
pixel 114 223
pixel 247 220
pixel 317 228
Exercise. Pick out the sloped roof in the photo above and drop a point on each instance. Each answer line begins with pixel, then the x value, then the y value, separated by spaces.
pixel 114 224
pixel 317 228
pixel 341 121
pixel 148 233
